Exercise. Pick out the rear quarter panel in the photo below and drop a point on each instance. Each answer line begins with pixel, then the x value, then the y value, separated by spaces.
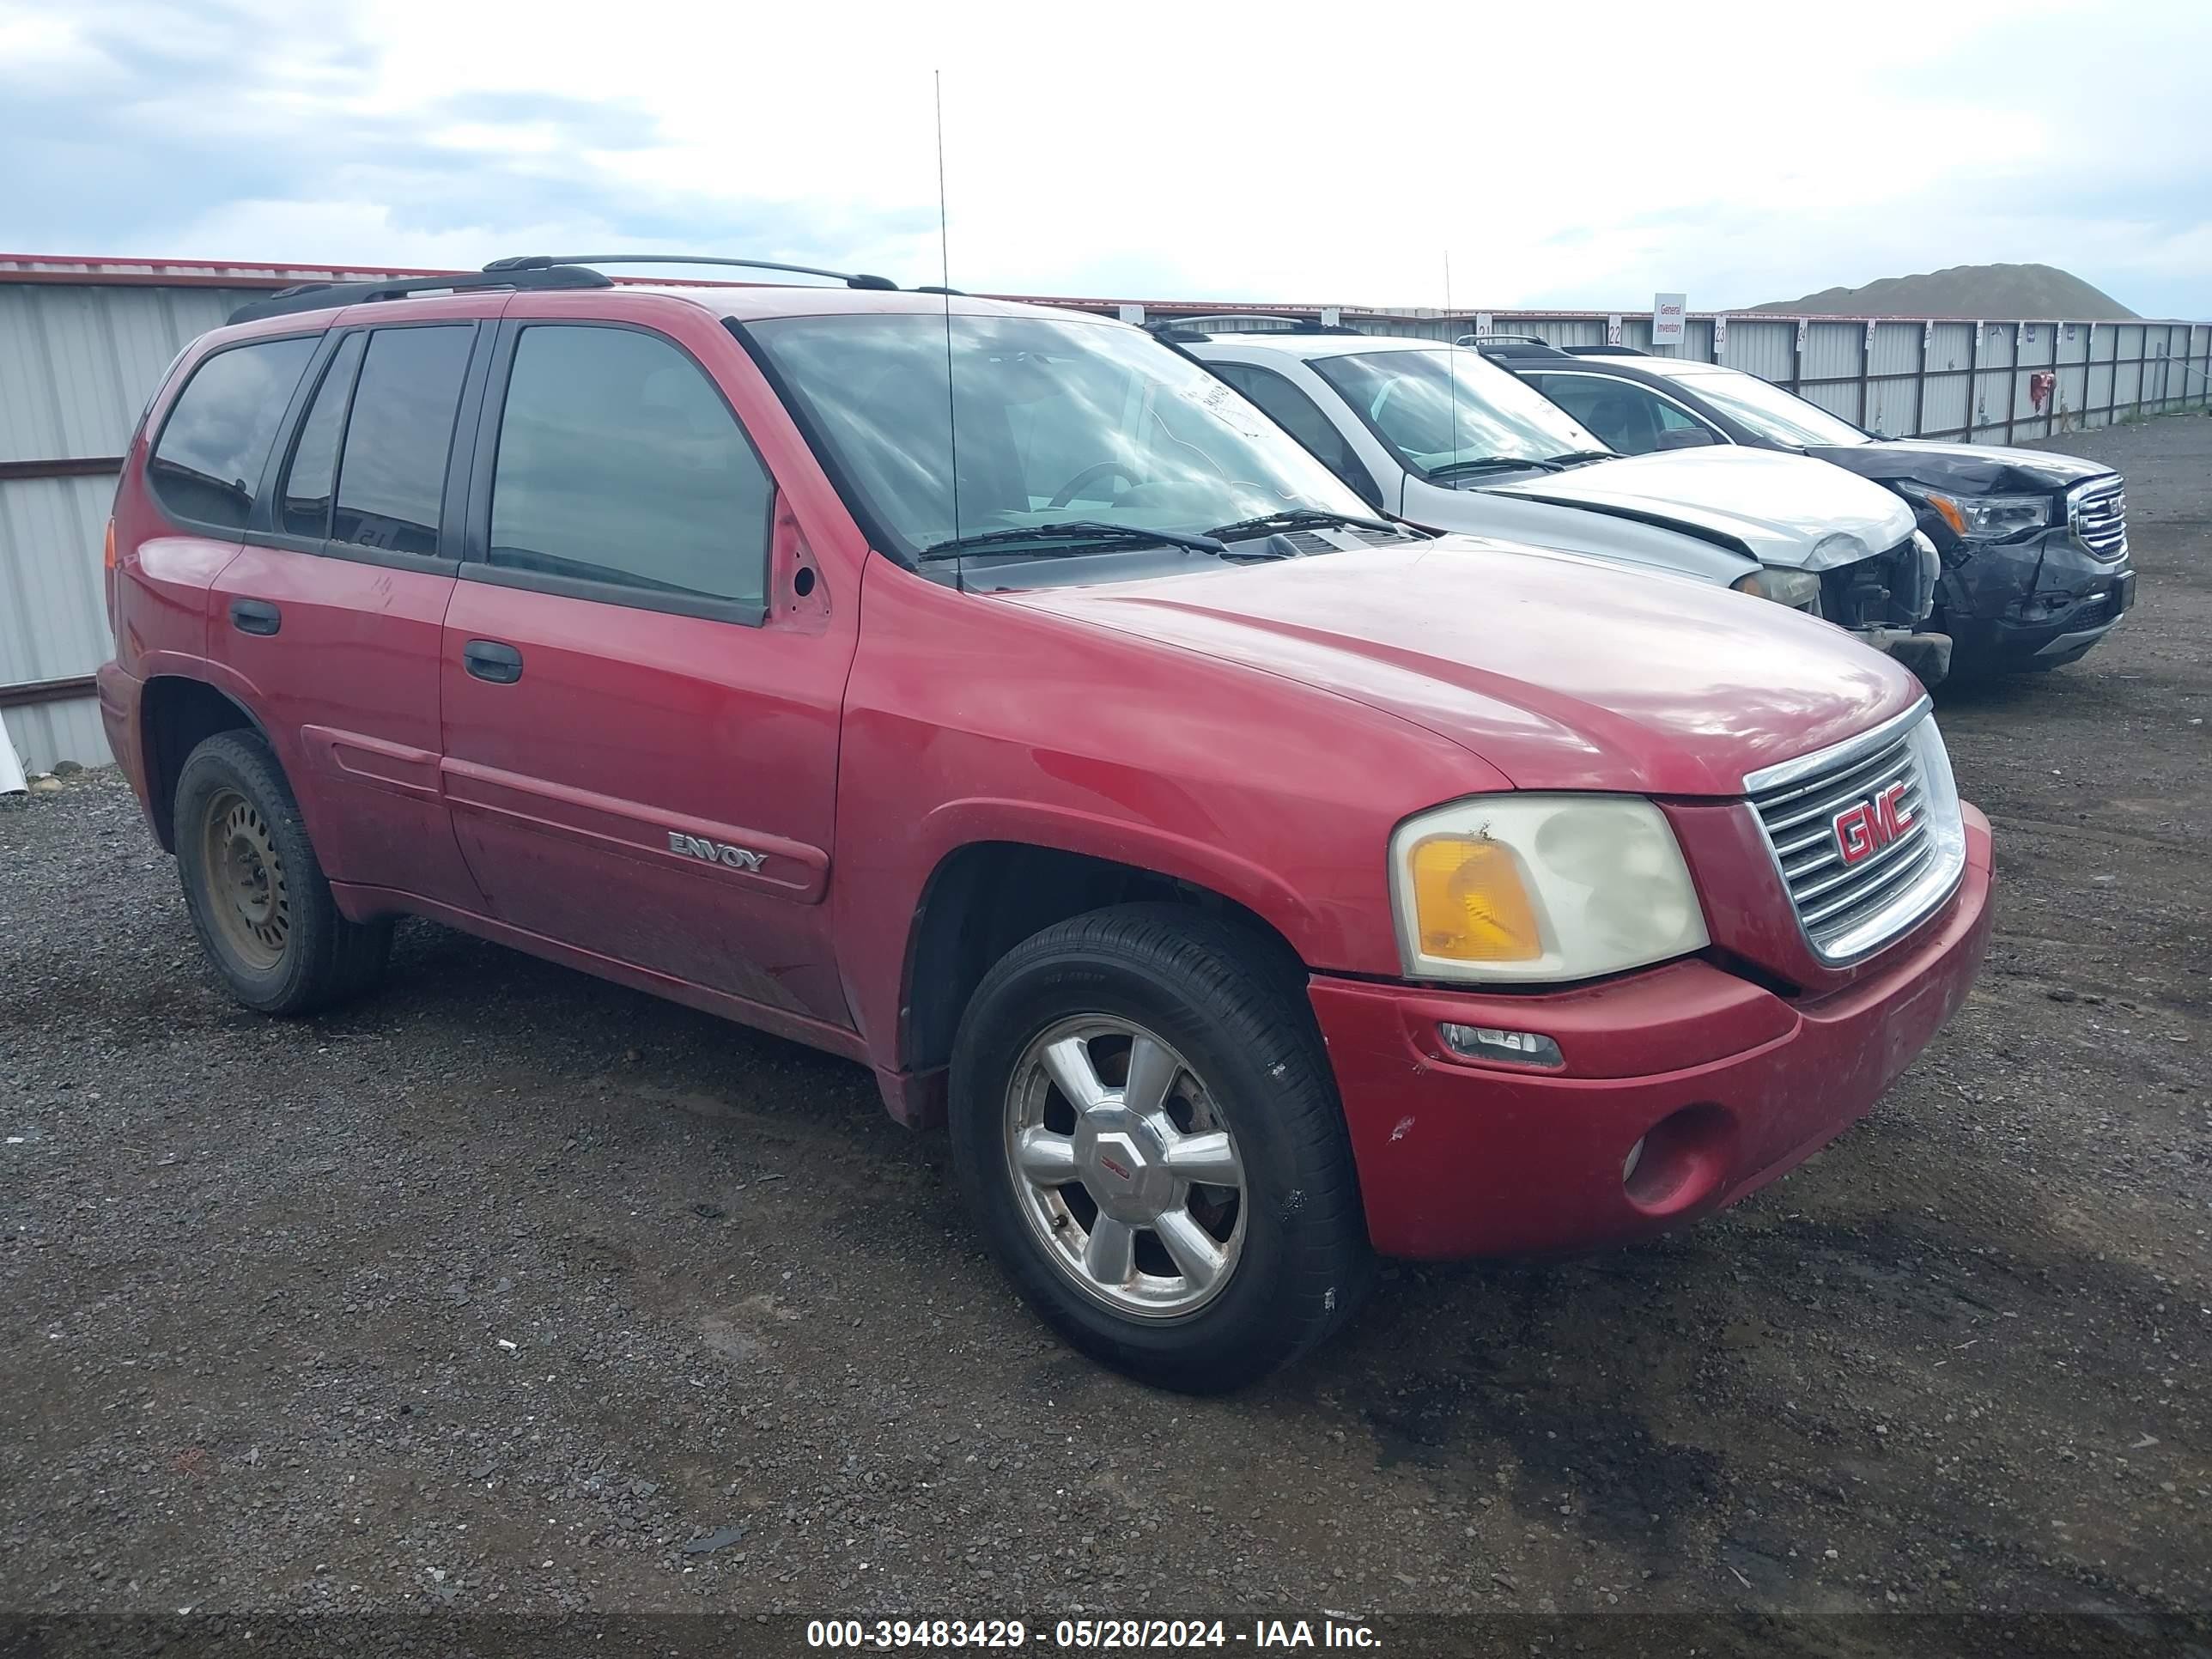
pixel 162 571
pixel 157 592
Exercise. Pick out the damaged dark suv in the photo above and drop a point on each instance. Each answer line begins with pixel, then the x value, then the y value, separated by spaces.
pixel 2034 546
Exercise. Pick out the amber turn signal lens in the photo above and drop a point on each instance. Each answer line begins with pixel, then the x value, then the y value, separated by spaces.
pixel 1948 510
pixel 107 555
pixel 1470 903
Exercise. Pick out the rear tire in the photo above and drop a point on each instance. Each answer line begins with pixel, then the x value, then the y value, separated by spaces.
pixel 256 893
pixel 1197 1224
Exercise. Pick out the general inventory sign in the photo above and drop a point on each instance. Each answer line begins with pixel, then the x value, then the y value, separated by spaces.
pixel 1668 311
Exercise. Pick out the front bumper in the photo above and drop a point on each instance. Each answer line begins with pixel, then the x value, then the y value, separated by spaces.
pixel 1725 1084
pixel 1926 654
pixel 2011 606
pixel 1886 601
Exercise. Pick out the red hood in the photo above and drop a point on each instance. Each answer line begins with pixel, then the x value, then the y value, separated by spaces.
pixel 1561 672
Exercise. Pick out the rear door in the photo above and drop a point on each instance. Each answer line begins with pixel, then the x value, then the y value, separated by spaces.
pixel 333 607
pixel 641 759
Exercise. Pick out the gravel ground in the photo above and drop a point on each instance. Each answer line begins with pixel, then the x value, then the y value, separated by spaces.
pixel 507 1290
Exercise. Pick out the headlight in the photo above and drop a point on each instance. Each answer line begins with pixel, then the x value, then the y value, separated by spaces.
pixel 1983 517
pixel 1798 589
pixel 1529 888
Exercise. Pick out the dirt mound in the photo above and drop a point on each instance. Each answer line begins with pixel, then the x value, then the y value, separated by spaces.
pixel 2002 291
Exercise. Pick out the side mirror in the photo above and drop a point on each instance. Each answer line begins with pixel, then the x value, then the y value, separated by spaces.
pixel 1686 437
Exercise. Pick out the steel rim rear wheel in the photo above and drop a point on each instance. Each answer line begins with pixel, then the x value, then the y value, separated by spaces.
pixel 248 901
pixel 1124 1167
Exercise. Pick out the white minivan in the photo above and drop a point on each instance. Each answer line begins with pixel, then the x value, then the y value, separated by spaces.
pixel 1436 435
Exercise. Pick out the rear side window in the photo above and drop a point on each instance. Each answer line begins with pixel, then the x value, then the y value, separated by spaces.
pixel 209 460
pixel 312 479
pixel 392 470
pixel 619 462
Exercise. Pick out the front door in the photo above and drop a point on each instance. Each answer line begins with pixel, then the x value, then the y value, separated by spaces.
pixel 641 761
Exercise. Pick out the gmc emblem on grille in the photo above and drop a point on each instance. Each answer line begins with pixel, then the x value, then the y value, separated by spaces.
pixel 1865 827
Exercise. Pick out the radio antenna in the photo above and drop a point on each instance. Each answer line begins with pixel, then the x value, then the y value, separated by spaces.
pixel 1451 356
pixel 945 279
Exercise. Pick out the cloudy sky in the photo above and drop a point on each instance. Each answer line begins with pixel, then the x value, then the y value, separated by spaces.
pixel 1290 152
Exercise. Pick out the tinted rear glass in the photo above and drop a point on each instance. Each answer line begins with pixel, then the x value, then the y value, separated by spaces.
pixel 392 479
pixel 207 463
pixel 306 507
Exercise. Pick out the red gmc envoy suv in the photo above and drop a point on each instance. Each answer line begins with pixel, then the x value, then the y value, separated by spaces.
pixel 992 696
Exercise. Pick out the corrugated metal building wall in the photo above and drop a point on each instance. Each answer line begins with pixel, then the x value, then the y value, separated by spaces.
pixel 81 348
pixel 77 365
pixel 83 343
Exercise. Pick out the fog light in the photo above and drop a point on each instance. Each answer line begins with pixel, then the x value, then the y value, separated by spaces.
pixel 1488 1043
pixel 1628 1164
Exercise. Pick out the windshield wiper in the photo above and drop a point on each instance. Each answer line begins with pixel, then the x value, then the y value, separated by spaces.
pixel 1577 456
pixel 1292 518
pixel 1069 536
pixel 1493 463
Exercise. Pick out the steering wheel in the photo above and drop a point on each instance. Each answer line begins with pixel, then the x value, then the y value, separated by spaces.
pixel 1090 475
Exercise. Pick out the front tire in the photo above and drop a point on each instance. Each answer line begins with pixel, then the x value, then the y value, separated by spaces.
pixel 256 892
pixel 1146 1127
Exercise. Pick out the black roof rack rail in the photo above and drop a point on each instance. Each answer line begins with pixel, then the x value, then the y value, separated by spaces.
pixel 1515 346
pixel 324 296
pixel 542 261
pixel 1604 351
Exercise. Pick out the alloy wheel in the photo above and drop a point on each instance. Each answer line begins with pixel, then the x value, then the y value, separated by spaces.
pixel 1124 1167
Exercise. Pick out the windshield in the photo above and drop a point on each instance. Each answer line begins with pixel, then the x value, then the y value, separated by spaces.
pixel 1438 408
pixel 1777 415
pixel 1058 421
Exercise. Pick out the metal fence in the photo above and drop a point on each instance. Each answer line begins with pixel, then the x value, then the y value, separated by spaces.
pixel 83 341
pixel 1978 382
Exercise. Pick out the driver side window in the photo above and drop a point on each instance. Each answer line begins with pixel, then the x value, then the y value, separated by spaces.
pixel 620 465
pixel 1629 417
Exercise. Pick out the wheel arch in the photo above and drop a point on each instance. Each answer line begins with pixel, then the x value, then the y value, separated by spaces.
pixel 176 715
pixel 985 896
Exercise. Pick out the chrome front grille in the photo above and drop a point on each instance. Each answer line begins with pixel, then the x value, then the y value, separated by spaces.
pixel 1866 841
pixel 2099 515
